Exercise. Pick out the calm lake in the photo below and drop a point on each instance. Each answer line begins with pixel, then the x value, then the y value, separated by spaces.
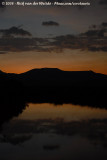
pixel 55 132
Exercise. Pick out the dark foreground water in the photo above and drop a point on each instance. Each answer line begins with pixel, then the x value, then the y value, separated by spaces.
pixel 55 132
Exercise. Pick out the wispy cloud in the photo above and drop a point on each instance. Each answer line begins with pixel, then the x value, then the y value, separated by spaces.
pixel 95 39
pixel 14 31
pixel 50 23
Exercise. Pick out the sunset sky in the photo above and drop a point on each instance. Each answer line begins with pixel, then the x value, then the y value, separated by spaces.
pixel 54 36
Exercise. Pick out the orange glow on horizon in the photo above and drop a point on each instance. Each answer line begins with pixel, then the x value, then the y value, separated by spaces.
pixel 23 69
pixel 69 60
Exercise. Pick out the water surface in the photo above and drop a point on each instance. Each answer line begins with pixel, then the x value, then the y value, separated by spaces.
pixel 47 131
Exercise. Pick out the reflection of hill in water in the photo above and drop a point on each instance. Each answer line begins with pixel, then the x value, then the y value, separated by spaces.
pixel 50 86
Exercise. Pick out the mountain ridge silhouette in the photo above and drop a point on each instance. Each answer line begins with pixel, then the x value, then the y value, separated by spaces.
pixel 57 77
pixel 53 70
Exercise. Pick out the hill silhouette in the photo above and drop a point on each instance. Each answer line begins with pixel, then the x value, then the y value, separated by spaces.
pixel 56 77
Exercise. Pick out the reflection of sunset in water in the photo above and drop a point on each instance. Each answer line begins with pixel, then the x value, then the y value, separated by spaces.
pixel 68 112
pixel 71 60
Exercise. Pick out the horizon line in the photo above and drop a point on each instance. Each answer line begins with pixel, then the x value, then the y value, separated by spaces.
pixel 51 69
